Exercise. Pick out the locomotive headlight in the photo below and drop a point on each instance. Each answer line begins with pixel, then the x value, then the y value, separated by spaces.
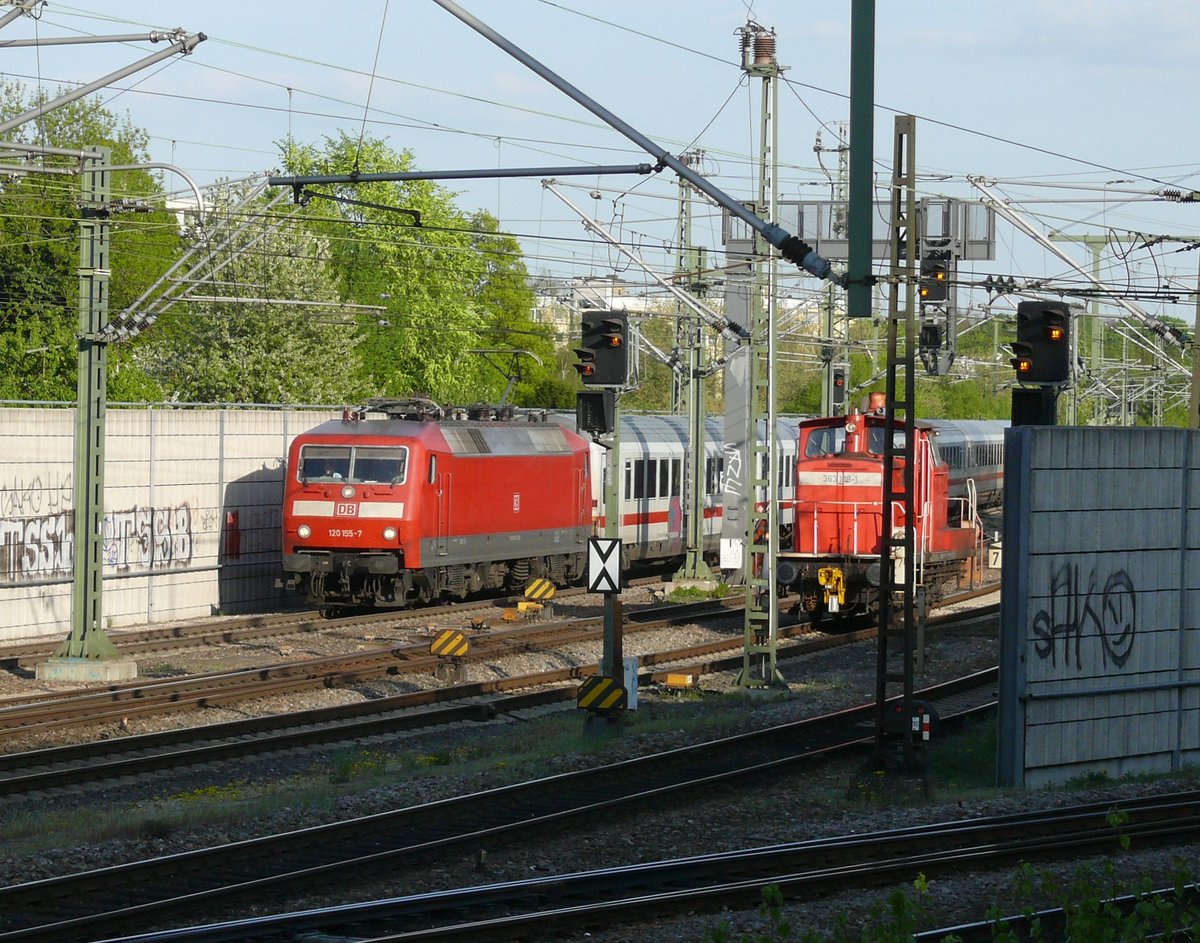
pixel 347 491
pixel 389 533
pixel 304 532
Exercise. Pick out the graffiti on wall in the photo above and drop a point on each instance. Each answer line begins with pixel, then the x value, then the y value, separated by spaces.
pixel 148 538
pixel 35 496
pixel 136 539
pixel 1103 607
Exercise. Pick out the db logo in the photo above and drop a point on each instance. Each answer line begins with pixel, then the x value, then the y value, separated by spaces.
pixel 345 509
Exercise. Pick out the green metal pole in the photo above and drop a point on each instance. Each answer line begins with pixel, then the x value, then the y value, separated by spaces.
pixel 87 638
pixel 862 143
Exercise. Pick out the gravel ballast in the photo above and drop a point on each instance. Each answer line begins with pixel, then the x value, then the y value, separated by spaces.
pixel 807 802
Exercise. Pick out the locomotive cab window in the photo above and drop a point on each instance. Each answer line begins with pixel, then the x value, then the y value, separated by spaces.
pixel 375 465
pixel 875 440
pixel 821 442
pixel 324 462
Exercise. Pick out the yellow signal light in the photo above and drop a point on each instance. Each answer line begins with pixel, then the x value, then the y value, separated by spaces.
pixel 1054 332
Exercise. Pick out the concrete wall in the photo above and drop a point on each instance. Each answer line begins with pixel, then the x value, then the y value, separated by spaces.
pixel 1100 660
pixel 191 523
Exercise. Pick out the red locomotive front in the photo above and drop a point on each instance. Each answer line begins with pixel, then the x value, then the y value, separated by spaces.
pixel 413 507
pixel 840 518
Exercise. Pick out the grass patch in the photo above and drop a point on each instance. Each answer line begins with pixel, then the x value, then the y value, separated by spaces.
pixel 352 765
pixel 157 818
pixel 965 762
pixel 683 594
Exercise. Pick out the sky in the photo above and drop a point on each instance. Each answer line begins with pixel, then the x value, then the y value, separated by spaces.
pixel 1083 113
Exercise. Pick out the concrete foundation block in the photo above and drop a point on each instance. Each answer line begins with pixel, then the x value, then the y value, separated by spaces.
pixel 86 669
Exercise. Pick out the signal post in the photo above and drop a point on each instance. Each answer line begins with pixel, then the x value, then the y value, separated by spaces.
pixel 603 367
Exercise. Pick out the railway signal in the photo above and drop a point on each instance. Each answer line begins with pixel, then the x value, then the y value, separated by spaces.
pixel 934 284
pixel 604 354
pixel 586 365
pixel 1042 351
pixel 839 386
pixel 595 411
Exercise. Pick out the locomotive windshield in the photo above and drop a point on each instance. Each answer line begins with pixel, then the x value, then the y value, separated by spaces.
pixel 364 464
pixel 832 441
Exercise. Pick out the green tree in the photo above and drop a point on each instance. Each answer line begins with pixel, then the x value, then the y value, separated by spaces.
pixel 256 347
pixel 505 298
pixel 453 284
pixel 39 245
pixel 428 276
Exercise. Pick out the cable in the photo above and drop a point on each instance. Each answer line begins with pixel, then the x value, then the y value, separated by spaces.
pixel 370 86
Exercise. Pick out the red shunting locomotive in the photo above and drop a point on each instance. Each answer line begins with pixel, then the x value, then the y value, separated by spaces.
pixel 840 521
pixel 417 506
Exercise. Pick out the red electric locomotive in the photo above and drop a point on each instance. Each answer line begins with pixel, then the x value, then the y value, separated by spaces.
pixel 416 506
pixel 834 560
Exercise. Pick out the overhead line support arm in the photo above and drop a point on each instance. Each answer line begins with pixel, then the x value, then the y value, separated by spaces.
pixel 299 182
pixel 791 247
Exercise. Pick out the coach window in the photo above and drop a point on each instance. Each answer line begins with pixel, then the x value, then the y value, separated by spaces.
pixel 664 478
pixel 675 464
pixel 639 479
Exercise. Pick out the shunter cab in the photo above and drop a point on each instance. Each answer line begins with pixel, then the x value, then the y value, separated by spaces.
pixel 840 519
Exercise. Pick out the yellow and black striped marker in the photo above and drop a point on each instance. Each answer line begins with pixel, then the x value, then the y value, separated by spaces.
pixel 451 643
pixel 540 589
pixel 601 694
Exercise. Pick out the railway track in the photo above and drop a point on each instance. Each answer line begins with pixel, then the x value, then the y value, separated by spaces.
pixel 117 702
pixel 236 629
pixel 40 772
pixel 36 773
pixel 167 891
pixel 239 629
pixel 598 900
